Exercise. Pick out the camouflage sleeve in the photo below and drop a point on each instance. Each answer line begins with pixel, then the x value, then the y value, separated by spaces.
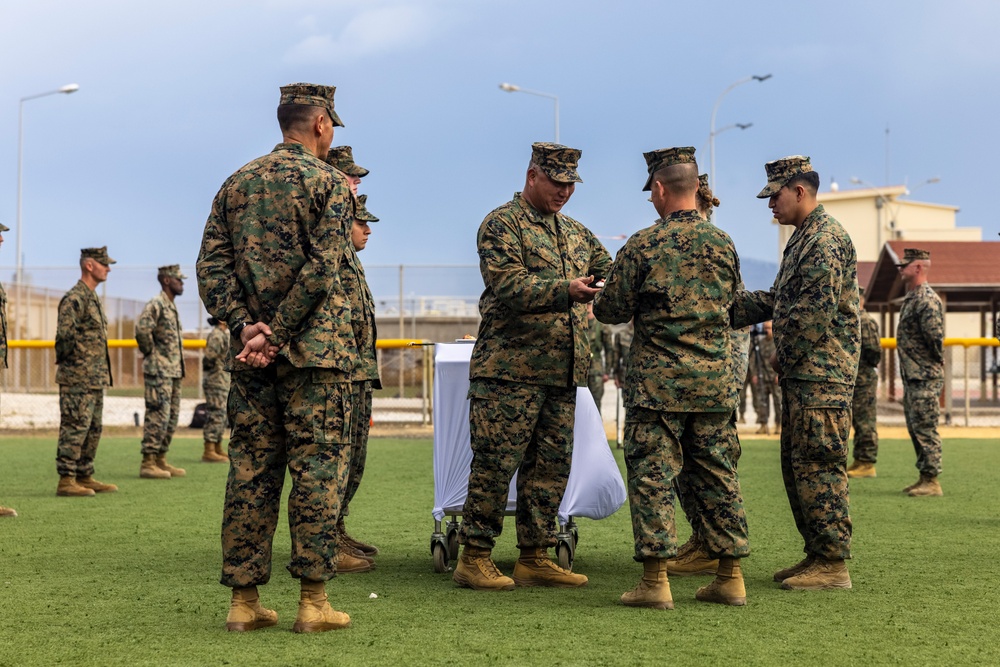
pixel 608 345
pixel 218 284
pixel 500 255
pixel 214 351
pixel 616 303
pixel 751 308
pixel 811 311
pixel 327 239
pixel 932 329
pixel 144 327
pixel 66 327
pixel 871 347
pixel 600 258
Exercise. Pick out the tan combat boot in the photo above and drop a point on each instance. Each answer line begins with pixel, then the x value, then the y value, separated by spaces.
pixel 692 560
pixel 315 613
pixel 728 585
pixel 762 430
pixel 149 470
pixel 209 455
pixel 246 614
pixel 69 488
pixel 929 486
pixel 349 562
pixel 535 568
pixel 781 575
pixel 161 463
pixel 822 574
pixel 89 482
pixel 367 549
pixel 861 469
pixel 653 590
pixel 476 570
pixel 7 511
pixel 920 480
pixel 220 452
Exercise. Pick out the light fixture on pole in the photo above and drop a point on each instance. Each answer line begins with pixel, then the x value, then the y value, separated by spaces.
pixel 712 132
pixel 18 272
pixel 511 88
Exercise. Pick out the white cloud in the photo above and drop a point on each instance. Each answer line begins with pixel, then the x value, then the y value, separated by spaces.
pixel 373 31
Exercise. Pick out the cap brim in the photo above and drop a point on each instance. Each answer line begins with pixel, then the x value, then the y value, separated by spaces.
pixel 111 261
pixel 770 189
pixel 648 187
pixel 335 118
pixel 4 228
pixel 358 171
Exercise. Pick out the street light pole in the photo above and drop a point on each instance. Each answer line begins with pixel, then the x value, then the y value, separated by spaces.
pixel 511 88
pixel 18 271
pixel 712 132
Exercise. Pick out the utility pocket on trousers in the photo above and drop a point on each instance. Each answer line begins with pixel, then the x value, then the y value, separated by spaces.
pixel 154 394
pixel 334 401
pixel 824 433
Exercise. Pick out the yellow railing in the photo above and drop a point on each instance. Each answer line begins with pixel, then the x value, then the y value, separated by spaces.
pixel 189 344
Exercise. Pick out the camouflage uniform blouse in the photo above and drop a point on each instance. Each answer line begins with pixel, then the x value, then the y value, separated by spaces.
pixel 530 330
pixel 814 306
pixel 158 333
pixel 82 340
pixel 871 350
pixel 352 278
pixel 920 335
pixel 214 361
pixel 271 252
pixel 677 278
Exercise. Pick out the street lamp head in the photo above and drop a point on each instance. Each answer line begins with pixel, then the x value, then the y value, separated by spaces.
pixel 744 126
pixel 757 77
pixel 70 88
pixel 856 180
pixel 509 87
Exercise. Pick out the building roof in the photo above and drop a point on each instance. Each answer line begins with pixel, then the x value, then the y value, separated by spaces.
pixel 966 274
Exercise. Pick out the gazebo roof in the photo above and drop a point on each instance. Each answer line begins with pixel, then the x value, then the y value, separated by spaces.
pixel 966 274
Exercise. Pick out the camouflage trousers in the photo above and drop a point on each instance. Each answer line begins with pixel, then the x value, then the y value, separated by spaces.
pixel 768 392
pixel 215 416
pixel 743 396
pixel 815 425
pixel 863 414
pixel 522 428
pixel 595 382
pixel 704 445
pixel 923 411
pixel 163 403
pixel 81 415
pixel 294 419
pixel 360 425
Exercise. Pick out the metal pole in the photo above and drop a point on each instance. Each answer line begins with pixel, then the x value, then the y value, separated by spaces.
pixel 715 110
pixel 402 332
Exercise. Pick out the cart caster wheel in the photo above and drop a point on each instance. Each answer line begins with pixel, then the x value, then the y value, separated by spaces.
pixel 440 552
pixel 452 540
pixel 564 555
pixel 576 537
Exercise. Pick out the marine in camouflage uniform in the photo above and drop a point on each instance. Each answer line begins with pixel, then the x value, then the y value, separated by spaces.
pixel 215 383
pixel 366 377
pixel 4 511
pixel 84 371
pixel 270 262
pixel 531 354
pixel 764 377
pixel 865 401
pixel 676 280
pixel 817 335
pixel 920 345
pixel 158 333
pixel 601 345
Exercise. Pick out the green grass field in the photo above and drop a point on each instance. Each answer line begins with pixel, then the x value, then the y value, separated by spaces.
pixel 131 578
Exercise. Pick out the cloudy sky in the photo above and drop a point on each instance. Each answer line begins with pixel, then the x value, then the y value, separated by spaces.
pixel 175 96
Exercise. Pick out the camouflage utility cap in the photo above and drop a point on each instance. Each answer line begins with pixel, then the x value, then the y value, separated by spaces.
pixel 913 254
pixel 99 254
pixel 861 290
pixel 361 213
pixel 4 228
pixel 666 157
pixel 342 159
pixel 312 95
pixel 170 271
pixel 557 161
pixel 781 171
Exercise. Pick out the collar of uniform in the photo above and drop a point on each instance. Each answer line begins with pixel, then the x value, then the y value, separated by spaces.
pixel 534 215
pixel 807 227
pixel 293 147
pixel 687 214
